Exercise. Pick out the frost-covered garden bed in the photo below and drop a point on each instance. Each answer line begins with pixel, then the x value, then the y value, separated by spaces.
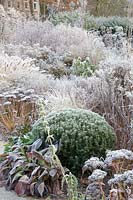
pixel 66 101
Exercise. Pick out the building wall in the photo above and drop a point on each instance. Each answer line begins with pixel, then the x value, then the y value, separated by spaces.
pixel 27 6
pixel 38 7
pixel 22 4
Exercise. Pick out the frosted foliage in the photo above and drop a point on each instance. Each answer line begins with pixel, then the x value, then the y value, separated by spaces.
pixel 119 176
pixel 126 178
pixel 93 163
pixel 19 72
pixel 61 39
pixel 11 64
pixel 61 95
pixel 111 157
pixel 118 154
pixel 115 61
pixel 33 32
pixel 97 175
pixel 76 92
pixel 24 51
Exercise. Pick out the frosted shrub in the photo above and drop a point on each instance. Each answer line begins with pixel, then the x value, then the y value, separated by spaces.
pixel 61 39
pixel 108 88
pixel 24 51
pixel 73 18
pixel 33 32
pixel 115 61
pixel 77 42
pixel 89 22
pixel 76 92
pixel 80 132
pixel 92 22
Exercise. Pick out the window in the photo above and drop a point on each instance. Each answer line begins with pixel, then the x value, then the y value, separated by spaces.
pixel 35 4
pixel 18 4
pixel 26 4
pixel 9 4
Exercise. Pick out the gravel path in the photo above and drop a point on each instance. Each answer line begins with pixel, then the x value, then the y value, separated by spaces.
pixel 6 195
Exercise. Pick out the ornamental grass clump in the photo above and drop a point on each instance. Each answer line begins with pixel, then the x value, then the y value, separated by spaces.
pixel 81 133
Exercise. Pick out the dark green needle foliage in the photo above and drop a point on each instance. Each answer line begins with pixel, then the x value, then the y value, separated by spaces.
pixel 82 134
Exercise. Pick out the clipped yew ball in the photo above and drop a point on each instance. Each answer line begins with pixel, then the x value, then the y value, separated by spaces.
pixel 82 134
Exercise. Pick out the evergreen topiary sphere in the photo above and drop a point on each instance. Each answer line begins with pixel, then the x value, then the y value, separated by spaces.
pixel 82 133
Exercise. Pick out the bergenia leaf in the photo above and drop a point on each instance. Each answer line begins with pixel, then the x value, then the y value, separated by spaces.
pixel 44 175
pixel 13 156
pixel 32 188
pixel 19 163
pixel 20 189
pixel 37 155
pixel 40 158
pixel 41 189
pixel 24 179
pixel 16 176
pixel 53 172
pixel 35 171
pixel 36 145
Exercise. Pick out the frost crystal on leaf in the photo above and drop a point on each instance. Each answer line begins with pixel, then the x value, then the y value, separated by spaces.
pixel 126 178
pixel 118 154
pixel 92 163
pixel 97 175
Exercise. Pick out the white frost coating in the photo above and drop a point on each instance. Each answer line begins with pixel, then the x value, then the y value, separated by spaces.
pixel 118 154
pixel 97 175
pixel 126 178
pixel 93 163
